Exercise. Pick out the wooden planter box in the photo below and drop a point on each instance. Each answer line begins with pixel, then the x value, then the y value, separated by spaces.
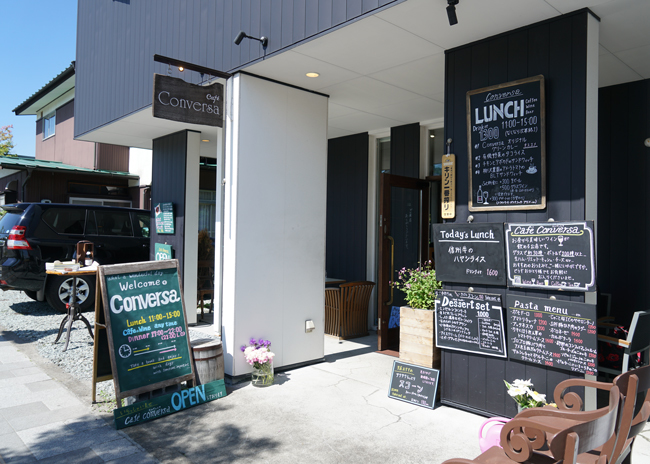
pixel 417 344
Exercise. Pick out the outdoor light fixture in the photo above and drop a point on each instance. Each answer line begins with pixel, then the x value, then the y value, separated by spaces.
pixel 451 12
pixel 181 69
pixel 242 35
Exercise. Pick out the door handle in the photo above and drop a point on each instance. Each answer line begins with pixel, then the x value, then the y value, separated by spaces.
pixel 392 267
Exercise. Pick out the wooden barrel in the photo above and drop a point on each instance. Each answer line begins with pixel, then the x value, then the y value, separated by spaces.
pixel 208 360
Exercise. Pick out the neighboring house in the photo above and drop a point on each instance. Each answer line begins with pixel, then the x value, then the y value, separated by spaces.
pixel 65 170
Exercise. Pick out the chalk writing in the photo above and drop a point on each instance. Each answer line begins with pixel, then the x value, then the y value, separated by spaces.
pixel 551 256
pixel 413 384
pixel 554 333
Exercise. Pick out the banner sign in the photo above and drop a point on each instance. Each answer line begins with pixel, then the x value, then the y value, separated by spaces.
pixel 181 101
pixel 164 405
pixel 162 252
pixel 448 185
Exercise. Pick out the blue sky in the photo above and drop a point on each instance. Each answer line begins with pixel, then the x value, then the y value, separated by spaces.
pixel 40 42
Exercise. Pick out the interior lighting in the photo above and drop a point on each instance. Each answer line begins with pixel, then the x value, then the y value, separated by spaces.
pixel 451 12
pixel 205 140
pixel 312 74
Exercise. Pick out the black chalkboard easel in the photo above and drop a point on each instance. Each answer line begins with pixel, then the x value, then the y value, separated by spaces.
pixel 145 327
pixel 414 384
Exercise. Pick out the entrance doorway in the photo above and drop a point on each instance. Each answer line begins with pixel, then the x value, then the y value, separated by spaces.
pixel 403 242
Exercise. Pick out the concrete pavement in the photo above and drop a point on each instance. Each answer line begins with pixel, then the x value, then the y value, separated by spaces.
pixel 333 412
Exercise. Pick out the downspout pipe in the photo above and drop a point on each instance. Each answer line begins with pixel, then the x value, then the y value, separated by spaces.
pixel 29 174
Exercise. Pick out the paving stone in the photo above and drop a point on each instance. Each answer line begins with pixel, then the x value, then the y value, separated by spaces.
pixel 115 449
pixel 5 428
pixel 6 375
pixel 13 449
pixel 139 458
pixel 98 436
pixel 23 410
pixel 10 366
pixel 43 385
pixel 20 423
pixel 84 423
pixel 59 398
pixel 15 395
pixel 80 456
pixel 27 371
pixel 25 379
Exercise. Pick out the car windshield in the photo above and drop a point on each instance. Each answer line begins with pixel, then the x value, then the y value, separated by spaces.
pixel 8 221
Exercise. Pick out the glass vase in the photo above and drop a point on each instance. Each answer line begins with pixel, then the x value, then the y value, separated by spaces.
pixel 262 376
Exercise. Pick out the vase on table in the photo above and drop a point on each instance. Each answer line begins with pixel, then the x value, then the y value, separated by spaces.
pixel 262 376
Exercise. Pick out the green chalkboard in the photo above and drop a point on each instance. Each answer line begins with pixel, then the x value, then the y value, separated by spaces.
pixel 147 331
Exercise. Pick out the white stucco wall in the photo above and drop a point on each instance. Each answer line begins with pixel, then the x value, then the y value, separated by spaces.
pixel 140 162
pixel 274 222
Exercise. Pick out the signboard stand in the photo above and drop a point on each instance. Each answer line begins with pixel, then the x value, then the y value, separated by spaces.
pixel 414 384
pixel 146 329
pixel 101 360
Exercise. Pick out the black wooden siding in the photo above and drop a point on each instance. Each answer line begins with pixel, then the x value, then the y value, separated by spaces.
pixel 624 197
pixel 168 174
pixel 347 207
pixel 116 41
pixel 405 150
pixel 557 49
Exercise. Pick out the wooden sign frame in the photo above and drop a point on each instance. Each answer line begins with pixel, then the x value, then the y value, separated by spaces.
pixel 542 126
pixel 102 273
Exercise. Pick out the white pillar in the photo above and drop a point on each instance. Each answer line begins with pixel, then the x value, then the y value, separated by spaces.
pixel 274 221
pixel 191 232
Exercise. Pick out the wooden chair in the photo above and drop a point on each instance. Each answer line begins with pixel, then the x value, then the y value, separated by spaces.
pixel 637 341
pixel 205 284
pixel 346 310
pixel 524 434
pixel 633 385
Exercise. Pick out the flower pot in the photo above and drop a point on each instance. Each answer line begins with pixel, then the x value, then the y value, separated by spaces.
pixel 417 339
pixel 262 376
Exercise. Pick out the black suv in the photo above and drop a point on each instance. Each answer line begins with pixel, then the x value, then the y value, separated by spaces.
pixel 32 234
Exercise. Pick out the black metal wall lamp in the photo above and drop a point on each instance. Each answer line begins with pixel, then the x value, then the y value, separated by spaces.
pixel 451 12
pixel 242 35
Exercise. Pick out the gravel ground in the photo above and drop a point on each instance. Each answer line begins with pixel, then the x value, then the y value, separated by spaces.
pixel 38 323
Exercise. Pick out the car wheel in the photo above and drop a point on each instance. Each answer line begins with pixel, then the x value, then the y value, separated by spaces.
pixel 31 294
pixel 59 291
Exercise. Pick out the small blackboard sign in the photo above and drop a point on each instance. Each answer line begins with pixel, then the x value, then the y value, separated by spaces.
pixel 147 332
pixel 470 253
pixel 551 255
pixel 506 146
pixel 471 322
pixel 414 384
pixel 554 333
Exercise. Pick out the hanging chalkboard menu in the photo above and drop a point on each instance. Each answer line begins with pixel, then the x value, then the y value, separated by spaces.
pixel 470 322
pixel 507 146
pixel 147 332
pixel 414 384
pixel 554 333
pixel 470 253
pixel 551 255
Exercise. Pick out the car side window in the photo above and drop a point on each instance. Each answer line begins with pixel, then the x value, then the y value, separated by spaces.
pixel 143 222
pixel 114 223
pixel 65 221
pixel 91 224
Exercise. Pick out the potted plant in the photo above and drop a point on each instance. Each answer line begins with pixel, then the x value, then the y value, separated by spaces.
pixel 417 336
pixel 522 392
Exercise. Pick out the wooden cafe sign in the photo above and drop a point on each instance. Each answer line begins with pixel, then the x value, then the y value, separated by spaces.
pixel 181 101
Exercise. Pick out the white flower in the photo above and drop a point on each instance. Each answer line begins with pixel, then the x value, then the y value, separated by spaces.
pixel 516 391
pixel 538 397
pixel 522 383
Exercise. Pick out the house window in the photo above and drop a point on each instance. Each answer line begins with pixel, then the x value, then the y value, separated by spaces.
pixel 207 208
pixel 49 122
